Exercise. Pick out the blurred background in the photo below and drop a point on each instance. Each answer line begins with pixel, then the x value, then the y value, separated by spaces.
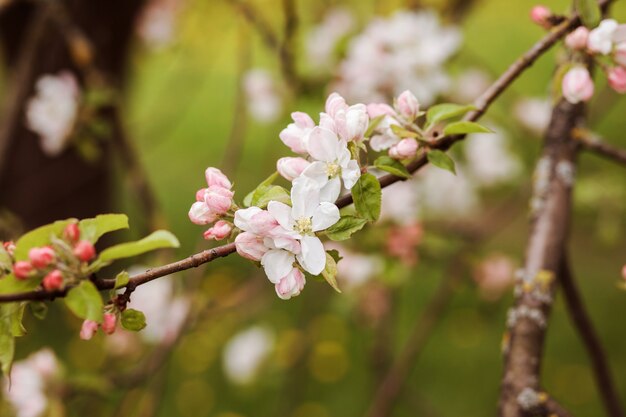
pixel 152 93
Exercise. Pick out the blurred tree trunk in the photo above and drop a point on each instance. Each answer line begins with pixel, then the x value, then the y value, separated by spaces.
pixel 36 188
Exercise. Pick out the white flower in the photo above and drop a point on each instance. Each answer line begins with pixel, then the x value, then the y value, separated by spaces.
pixel 332 164
pixel 490 162
pixel 534 113
pixel 348 122
pixel 52 112
pixel 601 38
pixel 245 352
pixel 308 215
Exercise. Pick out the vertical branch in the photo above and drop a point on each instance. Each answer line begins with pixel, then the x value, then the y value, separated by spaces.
pixel 551 209
pixel 582 322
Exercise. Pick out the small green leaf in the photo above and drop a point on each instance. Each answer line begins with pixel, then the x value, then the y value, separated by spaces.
pixel 345 227
pixel 85 302
pixel 38 309
pixel 93 229
pixel 16 317
pixel 463 128
pixel 373 125
pixel 133 320
pixel 392 166
pixel 247 201
pixel 330 272
pixel 444 112
pixel 589 12
pixel 402 132
pixel 38 237
pixel 335 254
pixel 367 195
pixel 156 240
pixel 263 195
pixel 441 160
pixel 121 279
pixel 7 347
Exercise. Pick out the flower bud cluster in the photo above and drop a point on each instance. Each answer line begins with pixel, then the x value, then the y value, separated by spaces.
pixel 213 204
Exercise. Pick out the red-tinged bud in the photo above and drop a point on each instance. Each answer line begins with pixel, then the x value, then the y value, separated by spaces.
pixel 88 329
pixel 41 257
pixel 53 281
pixel 541 15
pixel 22 269
pixel 72 232
pixel 9 247
pixel 85 251
pixel 109 320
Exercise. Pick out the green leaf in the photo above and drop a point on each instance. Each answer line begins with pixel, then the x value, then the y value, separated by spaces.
pixel 38 237
pixel 263 195
pixel 392 166
pixel 133 320
pixel 335 254
pixel 345 227
pixel 38 309
pixel 463 128
pixel 16 317
pixel 367 195
pixel 93 229
pixel 156 240
pixel 445 111
pixel 373 125
pixel 441 160
pixel 402 132
pixel 330 272
pixel 9 284
pixel 247 201
pixel 85 302
pixel 589 12
pixel 121 279
pixel 7 343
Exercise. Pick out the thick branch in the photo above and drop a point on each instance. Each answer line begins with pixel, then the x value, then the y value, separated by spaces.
pixel 581 320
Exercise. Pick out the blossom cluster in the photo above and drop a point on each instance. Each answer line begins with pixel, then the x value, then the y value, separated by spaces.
pixel 214 203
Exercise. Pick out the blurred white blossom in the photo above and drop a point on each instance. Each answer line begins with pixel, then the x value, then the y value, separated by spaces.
pixel 322 40
pixel 443 194
pixel 245 353
pixel 400 203
pixel 52 112
pixel 469 85
pixel 262 96
pixel 534 114
pixel 157 23
pixel 489 160
pixel 403 52
pixel 355 269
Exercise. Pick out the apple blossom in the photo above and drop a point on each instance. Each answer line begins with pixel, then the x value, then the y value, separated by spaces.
pixel 291 168
pixel 577 85
pixel 109 321
pixel 250 246
pixel 84 250
pixel 255 220
pixel 534 113
pixel 617 79
pixel 577 39
pixel 407 105
pixel 601 38
pixel 245 352
pixel 291 284
pixel 218 200
pixel 383 137
pixel 494 276
pixel 72 232
pixel 541 15
pixel 22 269
pixel 322 39
pixel 88 329
pixel 406 148
pixel 348 122
pixel 53 281
pixel 295 133
pixel 9 247
pixel 199 213
pixel 220 230
pixel 490 162
pixel 215 178
pixel 263 97
pixel 402 242
pixel 157 23
pixel 41 257
pixel 332 163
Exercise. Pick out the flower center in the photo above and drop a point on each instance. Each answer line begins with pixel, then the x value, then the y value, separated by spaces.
pixel 332 169
pixel 303 226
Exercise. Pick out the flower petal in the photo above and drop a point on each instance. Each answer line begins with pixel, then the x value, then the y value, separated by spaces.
pixel 330 192
pixel 305 197
pixel 277 264
pixel 350 173
pixel 325 216
pixel 243 216
pixel 323 144
pixel 282 213
pixel 312 256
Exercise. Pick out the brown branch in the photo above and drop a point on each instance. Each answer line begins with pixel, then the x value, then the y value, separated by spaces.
pixel 582 322
pixel 481 104
pixel 594 144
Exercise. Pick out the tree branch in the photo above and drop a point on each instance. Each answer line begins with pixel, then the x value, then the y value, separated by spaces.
pixel 594 144
pixel 582 322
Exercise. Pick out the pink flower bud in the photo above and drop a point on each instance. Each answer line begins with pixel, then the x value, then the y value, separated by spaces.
pixel 88 329
pixel 218 200
pixel 109 320
pixel 406 148
pixel 619 55
pixel 617 79
pixel 302 120
pixel 219 231
pixel 295 133
pixel 53 281
pixel 215 178
pixel 335 103
pixel 290 285
pixel 577 85
pixel 84 250
pixel 200 194
pixel 407 105
pixel 380 109
pixel 9 247
pixel 72 232
pixel 41 257
pixel 577 40
pixel 541 15
pixel 250 246
pixel 199 213
pixel 291 168
pixel 22 269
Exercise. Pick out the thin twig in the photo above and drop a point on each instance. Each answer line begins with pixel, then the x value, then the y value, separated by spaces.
pixel 594 144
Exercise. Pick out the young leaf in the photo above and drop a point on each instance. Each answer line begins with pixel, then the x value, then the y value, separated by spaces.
pixel 589 12
pixel 344 228
pixel 156 240
pixel 85 302
pixel 463 128
pixel 445 111
pixel 335 254
pixel 7 343
pixel 373 125
pixel 330 272
pixel 263 195
pixel 38 237
pixel 391 166
pixel 93 229
pixel 402 132
pixel 441 160
pixel 247 201
pixel 133 320
pixel 121 279
pixel 16 315
pixel 367 195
